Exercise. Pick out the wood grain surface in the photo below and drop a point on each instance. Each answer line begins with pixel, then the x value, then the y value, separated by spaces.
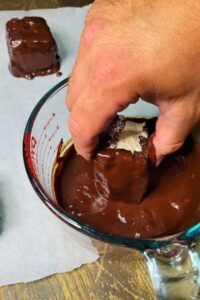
pixel 119 274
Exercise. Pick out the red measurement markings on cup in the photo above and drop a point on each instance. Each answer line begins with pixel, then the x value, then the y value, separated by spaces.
pixel 30 144
pixel 51 151
pixel 46 155
pixel 51 161
pixel 44 134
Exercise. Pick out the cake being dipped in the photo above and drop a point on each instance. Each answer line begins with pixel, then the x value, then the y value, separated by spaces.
pixel 120 192
pixel 121 166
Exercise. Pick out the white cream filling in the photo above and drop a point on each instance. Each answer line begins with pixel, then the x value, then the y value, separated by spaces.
pixel 129 137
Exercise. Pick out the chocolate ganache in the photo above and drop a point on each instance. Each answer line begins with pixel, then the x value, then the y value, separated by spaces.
pixel 121 192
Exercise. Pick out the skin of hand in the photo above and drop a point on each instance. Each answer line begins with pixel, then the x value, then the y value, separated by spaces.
pixel 131 49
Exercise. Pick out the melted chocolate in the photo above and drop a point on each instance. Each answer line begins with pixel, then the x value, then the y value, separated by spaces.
pixel 32 48
pixel 171 203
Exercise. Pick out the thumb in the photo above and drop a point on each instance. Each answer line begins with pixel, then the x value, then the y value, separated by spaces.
pixel 173 125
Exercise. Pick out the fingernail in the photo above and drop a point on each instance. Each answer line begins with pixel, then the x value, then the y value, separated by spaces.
pixel 86 156
pixel 158 161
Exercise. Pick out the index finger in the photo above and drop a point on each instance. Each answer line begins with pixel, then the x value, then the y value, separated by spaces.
pixel 92 113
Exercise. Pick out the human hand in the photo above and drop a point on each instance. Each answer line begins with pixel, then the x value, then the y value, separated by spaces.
pixel 131 49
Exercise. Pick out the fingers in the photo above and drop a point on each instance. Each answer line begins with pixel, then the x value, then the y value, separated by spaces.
pixel 79 75
pixel 77 81
pixel 173 126
pixel 90 115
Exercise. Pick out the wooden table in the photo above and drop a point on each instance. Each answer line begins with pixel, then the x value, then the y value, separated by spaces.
pixel 118 274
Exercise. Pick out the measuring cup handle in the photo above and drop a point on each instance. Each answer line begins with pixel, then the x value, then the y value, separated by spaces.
pixel 175 270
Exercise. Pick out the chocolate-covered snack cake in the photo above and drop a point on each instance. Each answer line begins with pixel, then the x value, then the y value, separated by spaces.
pixel 32 48
pixel 128 139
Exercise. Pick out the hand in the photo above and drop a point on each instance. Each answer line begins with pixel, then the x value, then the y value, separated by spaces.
pixel 131 49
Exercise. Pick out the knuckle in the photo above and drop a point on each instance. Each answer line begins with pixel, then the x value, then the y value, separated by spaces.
pixel 74 127
pixel 165 148
pixel 89 15
pixel 106 69
pixel 172 148
pixel 78 131
pixel 91 32
pixel 96 11
pixel 88 134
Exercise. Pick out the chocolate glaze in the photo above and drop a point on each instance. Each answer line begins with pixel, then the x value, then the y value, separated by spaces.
pixel 132 183
pixel 133 166
pixel 32 48
pixel 171 203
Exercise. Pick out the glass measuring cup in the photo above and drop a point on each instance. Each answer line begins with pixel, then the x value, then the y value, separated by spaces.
pixel 173 261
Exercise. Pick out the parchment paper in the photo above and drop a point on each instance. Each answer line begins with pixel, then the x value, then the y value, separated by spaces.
pixel 33 242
